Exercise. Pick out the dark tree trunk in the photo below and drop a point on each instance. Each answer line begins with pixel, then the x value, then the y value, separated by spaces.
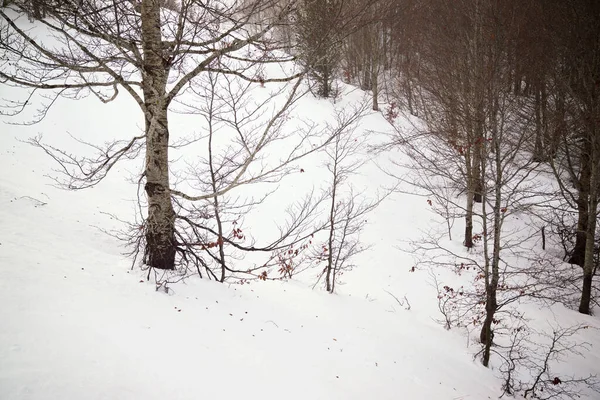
pixel 586 293
pixel 477 195
pixel 366 72
pixel 477 145
pixel 588 265
pixel 560 129
pixel 469 233
pixel 469 219
pixel 583 188
pixel 326 84
pixel 160 224
pixel 487 336
pixel 375 85
pixel 538 151
pixel 468 242
pixel 578 254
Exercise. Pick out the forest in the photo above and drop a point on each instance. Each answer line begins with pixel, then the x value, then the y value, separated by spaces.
pixel 268 135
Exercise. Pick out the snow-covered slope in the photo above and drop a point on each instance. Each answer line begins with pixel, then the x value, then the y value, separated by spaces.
pixel 78 323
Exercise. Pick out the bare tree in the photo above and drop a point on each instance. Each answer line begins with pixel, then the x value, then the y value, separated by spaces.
pixel 214 226
pixel 474 143
pixel 530 360
pixel 578 161
pixel 153 54
pixel 347 209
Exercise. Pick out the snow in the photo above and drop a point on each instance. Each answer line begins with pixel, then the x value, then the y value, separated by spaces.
pixel 79 323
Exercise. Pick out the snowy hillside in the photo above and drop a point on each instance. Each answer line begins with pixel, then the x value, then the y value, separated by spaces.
pixel 78 321
pixel 79 324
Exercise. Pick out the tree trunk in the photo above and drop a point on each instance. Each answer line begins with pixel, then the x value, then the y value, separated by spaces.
pixel 538 151
pixel 216 206
pixel 326 82
pixel 578 254
pixel 588 265
pixel 328 276
pixel 586 293
pixel 477 179
pixel 160 224
pixel 583 188
pixel 375 86
pixel 366 72
pixel 491 304
pixel 469 209
pixel 486 336
pixel 560 124
pixel 478 97
pixel 408 90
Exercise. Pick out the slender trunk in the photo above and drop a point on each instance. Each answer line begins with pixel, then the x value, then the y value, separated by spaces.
pixel 478 97
pixel 408 87
pixel 583 188
pixel 375 87
pixel 477 137
pixel 409 97
pixel 538 151
pixel 160 224
pixel 469 221
pixel 366 81
pixel 328 277
pixel 328 282
pixel 578 254
pixel 220 241
pixel 586 293
pixel 324 91
pixel 367 60
pixel 588 265
pixel 213 178
pixel 491 304
pixel 469 209
pixel 491 301
pixel 560 125
pixel 487 336
pixel 477 179
pixel 468 242
pixel 546 134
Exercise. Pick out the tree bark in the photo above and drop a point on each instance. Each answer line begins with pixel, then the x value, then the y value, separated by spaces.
pixel 583 188
pixel 588 265
pixel 375 86
pixel 560 129
pixel 160 224
pixel 486 335
pixel 469 208
pixel 491 304
pixel 328 277
pixel 538 151
pixel 477 179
